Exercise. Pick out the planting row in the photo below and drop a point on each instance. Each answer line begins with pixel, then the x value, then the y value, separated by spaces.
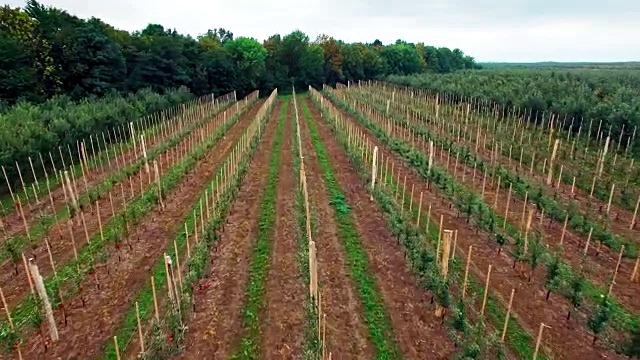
pixel 459 195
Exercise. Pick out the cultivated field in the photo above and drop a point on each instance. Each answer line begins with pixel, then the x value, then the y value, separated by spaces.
pixel 369 221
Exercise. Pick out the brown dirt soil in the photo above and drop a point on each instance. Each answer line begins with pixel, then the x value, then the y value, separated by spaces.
pixel 283 327
pixel 566 340
pixel 125 273
pixel 347 334
pixel 417 330
pixel 96 174
pixel 216 325
pixel 15 287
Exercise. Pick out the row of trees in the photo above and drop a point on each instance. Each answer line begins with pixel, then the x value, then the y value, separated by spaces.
pixel 46 52
pixel 608 94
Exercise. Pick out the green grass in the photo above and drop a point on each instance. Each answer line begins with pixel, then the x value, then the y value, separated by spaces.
pixel 374 312
pixel 255 301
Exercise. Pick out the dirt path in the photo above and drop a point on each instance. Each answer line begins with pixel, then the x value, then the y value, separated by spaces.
pixel 105 308
pixel 216 324
pixel 283 326
pixel 60 235
pixel 347 334
pixel 418 332
pixel 567 340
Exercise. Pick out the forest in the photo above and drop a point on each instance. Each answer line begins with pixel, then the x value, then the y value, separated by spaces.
pixel 63 79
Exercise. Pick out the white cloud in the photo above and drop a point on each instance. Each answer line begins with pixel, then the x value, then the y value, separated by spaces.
pixel 495 30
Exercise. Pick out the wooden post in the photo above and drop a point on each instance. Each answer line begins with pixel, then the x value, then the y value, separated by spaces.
pixel 140 336
pixel 535 353
pixel 564 228
pixel 115 342
pixel 506 319
pixel 635 269
pixel 42 293
pixel 155 299
pixel 155 168
pixel 374 172
pixel 466 272
pixel 635 213
pixel 419 211
pixel 615 273
pixel 444 266
pixel 486 291
pixel 613 186
pixel 6 309
pixel 506 210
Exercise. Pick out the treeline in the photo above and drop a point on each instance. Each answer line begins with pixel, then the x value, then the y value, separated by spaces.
pixel 47 52
pixel 581 95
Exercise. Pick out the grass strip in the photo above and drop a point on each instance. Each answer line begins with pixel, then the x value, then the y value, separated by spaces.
pixel 14 246
pixel 196 267
pixel 374 311
pixel 470 202
pixel 71 274
pixel 255 301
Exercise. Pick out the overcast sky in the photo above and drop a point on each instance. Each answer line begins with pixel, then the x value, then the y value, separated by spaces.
pixel 489 30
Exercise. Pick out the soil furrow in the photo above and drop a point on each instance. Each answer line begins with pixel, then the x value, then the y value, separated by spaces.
pixel 566 339
pixel 418 332
pixel 347 334
pixel 124 274
pixel 215 325
pixel 284 321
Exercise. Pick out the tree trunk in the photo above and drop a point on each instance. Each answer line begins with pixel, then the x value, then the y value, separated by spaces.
pixel 548 294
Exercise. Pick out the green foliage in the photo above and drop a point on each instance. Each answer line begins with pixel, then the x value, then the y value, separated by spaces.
pixel 598 321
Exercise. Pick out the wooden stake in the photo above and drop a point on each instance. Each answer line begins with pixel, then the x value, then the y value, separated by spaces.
pixel 419 211
pixel 6 309
pixel 139 329
pixel 535 353
pixel 42 293
pixel 155 298
pixel 26 268
pixel 635 269
pixel 466 272
pixel 615 273
pixel 486 291
pixel 506 319
pixel 115 342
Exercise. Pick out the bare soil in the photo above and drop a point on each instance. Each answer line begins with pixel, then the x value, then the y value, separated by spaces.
pixel 417 330
pixel 216 325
